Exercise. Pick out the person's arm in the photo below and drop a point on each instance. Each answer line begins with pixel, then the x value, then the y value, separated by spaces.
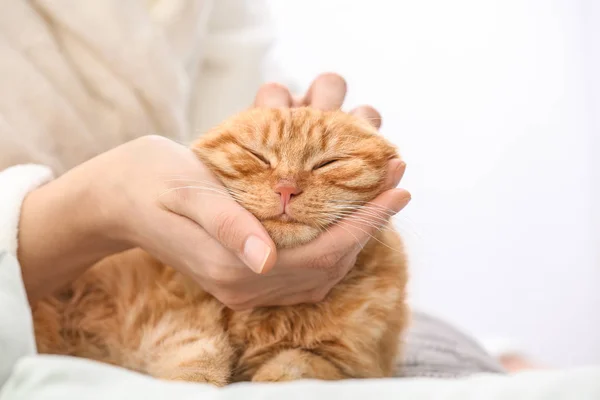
pixel 62 231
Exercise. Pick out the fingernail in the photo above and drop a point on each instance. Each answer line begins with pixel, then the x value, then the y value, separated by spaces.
pixel 256 253
pixel 399 172
pixel 402 198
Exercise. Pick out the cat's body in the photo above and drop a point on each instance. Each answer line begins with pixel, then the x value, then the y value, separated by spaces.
pixel 130 310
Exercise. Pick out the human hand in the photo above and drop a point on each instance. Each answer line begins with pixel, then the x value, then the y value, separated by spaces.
pixel 123 198
pixel 307 273
pixel 126 198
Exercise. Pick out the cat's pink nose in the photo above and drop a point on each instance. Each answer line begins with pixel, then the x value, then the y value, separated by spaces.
pixel 286 191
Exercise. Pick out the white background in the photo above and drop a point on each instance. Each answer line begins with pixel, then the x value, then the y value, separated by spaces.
pixel 492 104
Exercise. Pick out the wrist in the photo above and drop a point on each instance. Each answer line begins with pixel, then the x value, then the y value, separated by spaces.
pixel 63 230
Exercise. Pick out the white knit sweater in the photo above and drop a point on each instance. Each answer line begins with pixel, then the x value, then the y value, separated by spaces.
pixel 79 77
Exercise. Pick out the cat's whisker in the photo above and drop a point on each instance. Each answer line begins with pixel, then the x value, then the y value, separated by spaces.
pixel 353 235
pixel 367 222
pixel 362 203
pixel 370 236
pixel 376 220
pixel 326 229
pixel 365 213
pixel 220 196
pixel 214 191
pixel 367 210
pixel 207 182
pixel 204 185
pixel 406 225
pixel 378 227
pixel 215 187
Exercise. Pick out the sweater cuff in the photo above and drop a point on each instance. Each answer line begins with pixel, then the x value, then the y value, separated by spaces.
pixel 15 183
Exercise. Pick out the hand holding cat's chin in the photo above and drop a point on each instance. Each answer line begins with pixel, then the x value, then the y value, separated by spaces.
pixel 140 194
pixel 131 196
pixel 145 194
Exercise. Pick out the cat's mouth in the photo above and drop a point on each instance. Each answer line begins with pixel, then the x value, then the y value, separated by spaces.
pixel 284 217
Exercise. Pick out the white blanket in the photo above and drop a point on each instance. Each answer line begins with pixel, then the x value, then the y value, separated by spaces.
pixel 27 376
pixel 62 378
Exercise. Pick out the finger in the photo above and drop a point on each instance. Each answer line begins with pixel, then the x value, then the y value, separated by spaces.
pixel 355 230
pixel 334 276
pixel 298 101
pixel 396 168
pixel 368 113
pixel 307 292
pixel 273 95
pixel 289 300
pixel 327 92
pixel 291 297
pixel 282 294
pixel 226 221
pixel 189 245
pixel 349 234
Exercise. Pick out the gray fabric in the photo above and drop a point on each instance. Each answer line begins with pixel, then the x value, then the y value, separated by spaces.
pixel 434 348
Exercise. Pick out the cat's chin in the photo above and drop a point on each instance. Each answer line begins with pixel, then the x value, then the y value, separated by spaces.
pixel 290 234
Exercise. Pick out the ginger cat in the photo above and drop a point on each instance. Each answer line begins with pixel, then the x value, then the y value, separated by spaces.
pixel 298 171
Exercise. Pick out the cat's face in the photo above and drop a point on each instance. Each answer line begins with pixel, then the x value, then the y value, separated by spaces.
pixel 297 170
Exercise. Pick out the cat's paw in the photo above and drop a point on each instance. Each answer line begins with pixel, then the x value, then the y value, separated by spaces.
pixel 211 377
pixel 291 365
pixel 277 374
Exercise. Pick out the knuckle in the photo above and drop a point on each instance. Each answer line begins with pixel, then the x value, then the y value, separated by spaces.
pixel 319 295
pixel 336 273
pixel 225 224
pixel 221 277
pixel 236 307
pixel 229 298
pixel 334 79
pixel 234 300
pixel 324 261
pixel 181 197
pixel 274 86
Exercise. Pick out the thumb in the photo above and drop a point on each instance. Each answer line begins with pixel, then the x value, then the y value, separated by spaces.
pixel 228 222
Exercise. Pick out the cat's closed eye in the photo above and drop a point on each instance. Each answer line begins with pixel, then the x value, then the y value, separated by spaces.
pixel 258 156
pixel 325 163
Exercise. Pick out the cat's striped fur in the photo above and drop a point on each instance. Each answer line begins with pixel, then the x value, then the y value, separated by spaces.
pixel 132 311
